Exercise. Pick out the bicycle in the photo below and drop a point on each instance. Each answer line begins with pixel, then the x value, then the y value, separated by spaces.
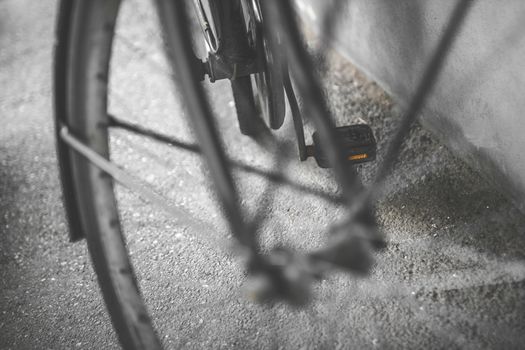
pixel 245 42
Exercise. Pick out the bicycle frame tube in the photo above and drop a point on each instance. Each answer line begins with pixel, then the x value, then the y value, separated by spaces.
pixel 216 17
pixel 210 20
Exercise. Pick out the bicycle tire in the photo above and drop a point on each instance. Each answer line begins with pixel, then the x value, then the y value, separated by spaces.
pixel 252 105
pixel 243 94
pixel 267 85
pixel 87 52
pixel 259 98
pixel 246 111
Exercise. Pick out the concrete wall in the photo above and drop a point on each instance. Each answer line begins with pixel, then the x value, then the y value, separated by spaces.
pixel 478 105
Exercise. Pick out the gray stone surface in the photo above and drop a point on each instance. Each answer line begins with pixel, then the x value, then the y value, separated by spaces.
pixel 451 277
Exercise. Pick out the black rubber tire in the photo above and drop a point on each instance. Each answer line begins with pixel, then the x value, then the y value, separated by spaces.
pixel 248 115
pixel 250 123
pixel 86 52
pixel 268 85
pixel 254 107
pixel 244 104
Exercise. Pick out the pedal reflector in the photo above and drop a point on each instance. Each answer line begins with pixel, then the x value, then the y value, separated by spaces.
pixel 357 140
pixel 358 156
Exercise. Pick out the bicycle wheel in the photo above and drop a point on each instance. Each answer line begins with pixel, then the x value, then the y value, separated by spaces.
pixel 82 75
pixel 248 116
pixel 85 35
pixel 259 96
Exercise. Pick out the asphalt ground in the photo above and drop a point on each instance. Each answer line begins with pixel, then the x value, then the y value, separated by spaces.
pixel 452 275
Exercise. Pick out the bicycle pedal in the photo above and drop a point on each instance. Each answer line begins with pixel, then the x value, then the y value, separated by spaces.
pixel 357 140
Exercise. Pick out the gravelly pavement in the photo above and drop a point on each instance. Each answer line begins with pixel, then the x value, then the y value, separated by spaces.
pixel 452 276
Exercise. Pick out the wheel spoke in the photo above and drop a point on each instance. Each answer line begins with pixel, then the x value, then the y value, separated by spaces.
pixel 296 114
pixel 273 176
pixel 141 189
pixel 424 88
pixel 134 128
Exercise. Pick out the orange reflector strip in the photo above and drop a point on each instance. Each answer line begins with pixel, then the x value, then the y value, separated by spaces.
pixel 358 156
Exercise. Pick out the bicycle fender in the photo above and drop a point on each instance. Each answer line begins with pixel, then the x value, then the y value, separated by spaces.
pixel 76 231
